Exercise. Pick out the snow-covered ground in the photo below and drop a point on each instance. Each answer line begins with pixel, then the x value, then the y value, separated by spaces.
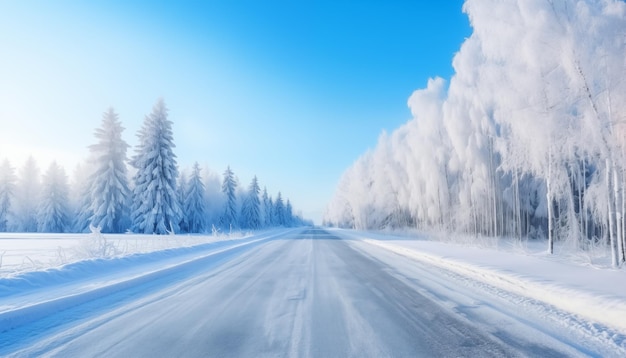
pixel 30 293
pixel 24 252
pixel 56 293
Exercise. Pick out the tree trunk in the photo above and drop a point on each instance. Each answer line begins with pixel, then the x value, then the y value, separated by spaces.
pixel 618 215
pixel 518 214
pixel 611 212
pixel 623 227
pixel 492 173
pixel 549 205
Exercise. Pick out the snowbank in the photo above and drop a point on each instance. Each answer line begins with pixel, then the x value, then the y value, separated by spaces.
pixel 26 252
pixel 599 295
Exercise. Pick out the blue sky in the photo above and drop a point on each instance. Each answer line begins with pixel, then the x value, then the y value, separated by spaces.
pixel 290 91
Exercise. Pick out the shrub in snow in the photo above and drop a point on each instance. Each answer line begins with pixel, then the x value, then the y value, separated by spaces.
pixel 97 245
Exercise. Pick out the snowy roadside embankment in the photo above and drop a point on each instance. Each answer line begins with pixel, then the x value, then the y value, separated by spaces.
pixel 29 296
pixel 598 295
pixel 25 252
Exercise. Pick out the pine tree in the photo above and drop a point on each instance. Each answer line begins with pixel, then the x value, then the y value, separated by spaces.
pixel 155 209
pixel 229 187
pixel 194 204
pixel 213 199
pixel 271 209
pixel 279 208
pixel 53 213
pixel 7 192
pixel 181 192
pixel 288 214
pixel 109 191
pixel 27 197
pixel 83 212
pixel 251 210
pixel 267 209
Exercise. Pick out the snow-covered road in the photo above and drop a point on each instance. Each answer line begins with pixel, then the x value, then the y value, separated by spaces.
pixel 305 293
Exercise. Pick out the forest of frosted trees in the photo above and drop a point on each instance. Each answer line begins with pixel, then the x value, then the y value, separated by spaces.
pixel 155 199
pixel 527 140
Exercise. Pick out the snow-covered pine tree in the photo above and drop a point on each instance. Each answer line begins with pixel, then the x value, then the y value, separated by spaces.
pixel 83 211
pixel 251 210
pixel 181 192
pixel 288 214
pixel 155 208
pixel 279 210
pixel 271 212
pixel 27 197
pixel 229 187
pixel 109 190
pixel 194 204
pixel 213 198
pixel 7 192
pixel 53 215
pixel 267 209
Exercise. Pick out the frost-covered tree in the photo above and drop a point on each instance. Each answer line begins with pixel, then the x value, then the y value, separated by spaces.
pixel 155 208
pixel 108 184
pixel 339 211
pixel 53 215
pixel 214 198
pixel 289 219
pixel 181 192
pixel 80 197
pixel 7 192
pixel 27 196
pixel 229 188
pixel 194 203
pixel 271 212
pixel 279 210
pixel 267 208
pixel 251 209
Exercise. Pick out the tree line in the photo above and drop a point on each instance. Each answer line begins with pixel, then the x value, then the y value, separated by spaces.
pixel 156 199
pixel 527 140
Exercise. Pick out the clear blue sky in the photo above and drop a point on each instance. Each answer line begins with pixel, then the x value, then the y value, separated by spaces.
pixel 292 91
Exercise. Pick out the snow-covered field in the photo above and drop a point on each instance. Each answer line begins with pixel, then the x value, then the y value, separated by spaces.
pixel 24 252
pixel 513 292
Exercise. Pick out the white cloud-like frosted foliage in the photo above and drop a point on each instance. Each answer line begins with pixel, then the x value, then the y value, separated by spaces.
pixel 528 138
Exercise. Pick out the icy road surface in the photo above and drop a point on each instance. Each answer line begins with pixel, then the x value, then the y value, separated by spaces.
pixel 306 293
